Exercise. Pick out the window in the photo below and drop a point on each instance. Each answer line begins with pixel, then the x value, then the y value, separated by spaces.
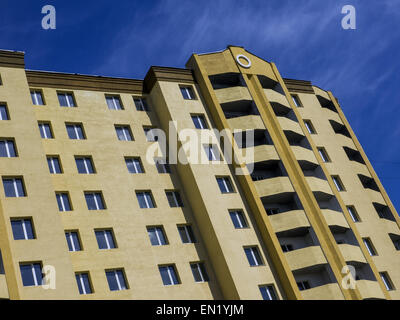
pixel 168 275
pixel 22 229
pixel 271 211
pixel 123 133
pixel 238 219
pixel 75 131
pixel 268 292
pixel 199 272
pixel 116 280
pixel 174 199
pixel 83 282
pixel 187 92
pixel 199 122
pixel 296 100
pixel 253 255
pixel 105 239
pixel 212 152
pixel 353 213
pixel 386 280
pixel 141 104
pixel 287 247
pixel 150 134
pixel 114 103
pixel 225 185
pixel 156 235
pixel 338 183
pixel 303 285
pixel 14 187
pixel 324 155
pixel 162 166
pixel 1 264
pixel 145 199
pixel 73 241
pixel 370 247
pixel 186 234
pixel 309 126
pixel 63 201
pixel 7 148
pixel 54 164
pixel 45 130
pixel 94 201
pixel 66 99
pixel 4 112
pixel 134 165
pixel 31 274
pixel 37 97
pixel 84 165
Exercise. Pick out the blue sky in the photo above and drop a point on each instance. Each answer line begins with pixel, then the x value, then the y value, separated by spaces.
pixel 303 37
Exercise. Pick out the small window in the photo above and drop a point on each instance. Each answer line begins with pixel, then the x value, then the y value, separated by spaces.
pixel 14 187
pixel 303 285
pixel 73 241
pixel 83 282
pixel 238 219
pixel 187 92
pixel 75 131
pixel 105 239
pixel 353 213
pixel 145 199
pixel 94 201
pixel 323 154
pixel 7 148
pixel 150 134
pixel 168 275
pixel 31 274
pixel 272 211
pixel 66 99
pixel 396 240
pixel 162 166
pixel 253 256
pixel 174 199
pixel 199 272
pixel 186 234
pixel 63 201
pixel 84 165
pixel 54 164
pixel 225 185
pixel 199 121
pixel 116 280
pixel 45 130
pixel 114 103
pixel 141 104
pixel 157 236
pixel 309 126
pixel 268 292
pixel 212 152
pixel 338 183
pixel 370 247
pixel 134 165
pixel 37 97
pixel 22 229
pixel 387 281
pixel 123 133
pixel 296 100
pixel 4 112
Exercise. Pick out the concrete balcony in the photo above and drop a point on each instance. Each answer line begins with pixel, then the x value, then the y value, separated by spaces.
pixel 304 154
pixel 274 96
pixel 289 220
pixel 335 218
pixel 232 94
pixel 332 115
pixel 369 289
pixel 248 122
pixel 264 153
pixel 290 125
pixel 273 187
pixel 320 188
pixel 321 92
pixel 352 253
pixel 330 291
pixel 3 287
pixel 375 196
pixel 309 257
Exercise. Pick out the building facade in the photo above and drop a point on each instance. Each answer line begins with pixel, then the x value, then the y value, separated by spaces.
pixel 84 213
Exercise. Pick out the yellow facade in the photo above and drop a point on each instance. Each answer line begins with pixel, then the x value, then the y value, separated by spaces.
pixel 295 215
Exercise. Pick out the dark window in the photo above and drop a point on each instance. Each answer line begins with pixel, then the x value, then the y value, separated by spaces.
pixel 22 229
pixel 14 187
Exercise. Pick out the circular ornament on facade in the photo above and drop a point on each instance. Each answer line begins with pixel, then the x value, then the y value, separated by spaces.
pixel 244 65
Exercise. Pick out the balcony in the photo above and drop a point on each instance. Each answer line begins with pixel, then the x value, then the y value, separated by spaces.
pixel 320 188
pixel 274 189
pixel 232 94
pixel 265 152
pixel 369 289
pixel 335 219
pixel 304 154
pixel 309 257
pixel 289 220
pixel 290 125
pixel 278 102
pixel 329 291
pixel 3 287
pixel 352 253
pixel 246 122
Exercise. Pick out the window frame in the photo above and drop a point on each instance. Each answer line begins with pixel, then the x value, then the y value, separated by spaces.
pixel 116 274
pixel 254 253
pixel 114 97
pixel 125 128
pixel 242 222
pixel 269 291
pixel 161 241
pixel 309 126
pixel 201 270
pixel 370 246
pixel 178 202
pixel 8 141
pixel 323 155
pixel 16 191
pixel 338 183
pixel 65 94
pixel 24 228
pixel 79 281
pixel 70 242
pixel 201 120
pixel 107 234
pixel 76 125
pixel 7 114
pixel 33 93
pixel 135 164
pixel 355 217
pixel 143 106
pixel 44 135
pixel 296 100
pixel 85 159
pixel 188 231
pixel 170 267
pixel 62 194
pixel 146 193
pixel 226 179
pixel 52 169
pixel 95 194
pixel 189 91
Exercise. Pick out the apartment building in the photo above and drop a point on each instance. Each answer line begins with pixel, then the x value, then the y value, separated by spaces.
pixel 86 215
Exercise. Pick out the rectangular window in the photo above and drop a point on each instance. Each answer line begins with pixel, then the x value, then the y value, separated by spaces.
pixel 7 148
pixel 105 239
pixel 338 183
pixel 63 201
pixel 268 292
pixel 199 272
pixel 187 92
pixel 83 282
pixel 114 103
pixel 386 281
pixel 353 213
pixel 54 164
pixel 75 131
pixel 150 134
pixel 116 280
pixel 73 241
pixel 271 211
pixel 66 99
pixel 4 112
pixel 37 97
pixel 186 234
pixel 396 241
pixel 253 256
pixel 199 121
pixel 296 100
pixel 31 274
pixel 141 104
pixel 211 152
pixel 168 275
pixel 145 199
pixel 123 133
pixel 238 219
pixel 287 247
pixel 303 285
pixel 134 165
pixel 370 247
pixel 309 126
pixel 157 236
pixel 225 185
pixel 14 187
pixel 323 154
pixel 174 199
pixel 162 166
pixel 94 201
pixel 45 130
pixel 84 165
pixel 22 229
